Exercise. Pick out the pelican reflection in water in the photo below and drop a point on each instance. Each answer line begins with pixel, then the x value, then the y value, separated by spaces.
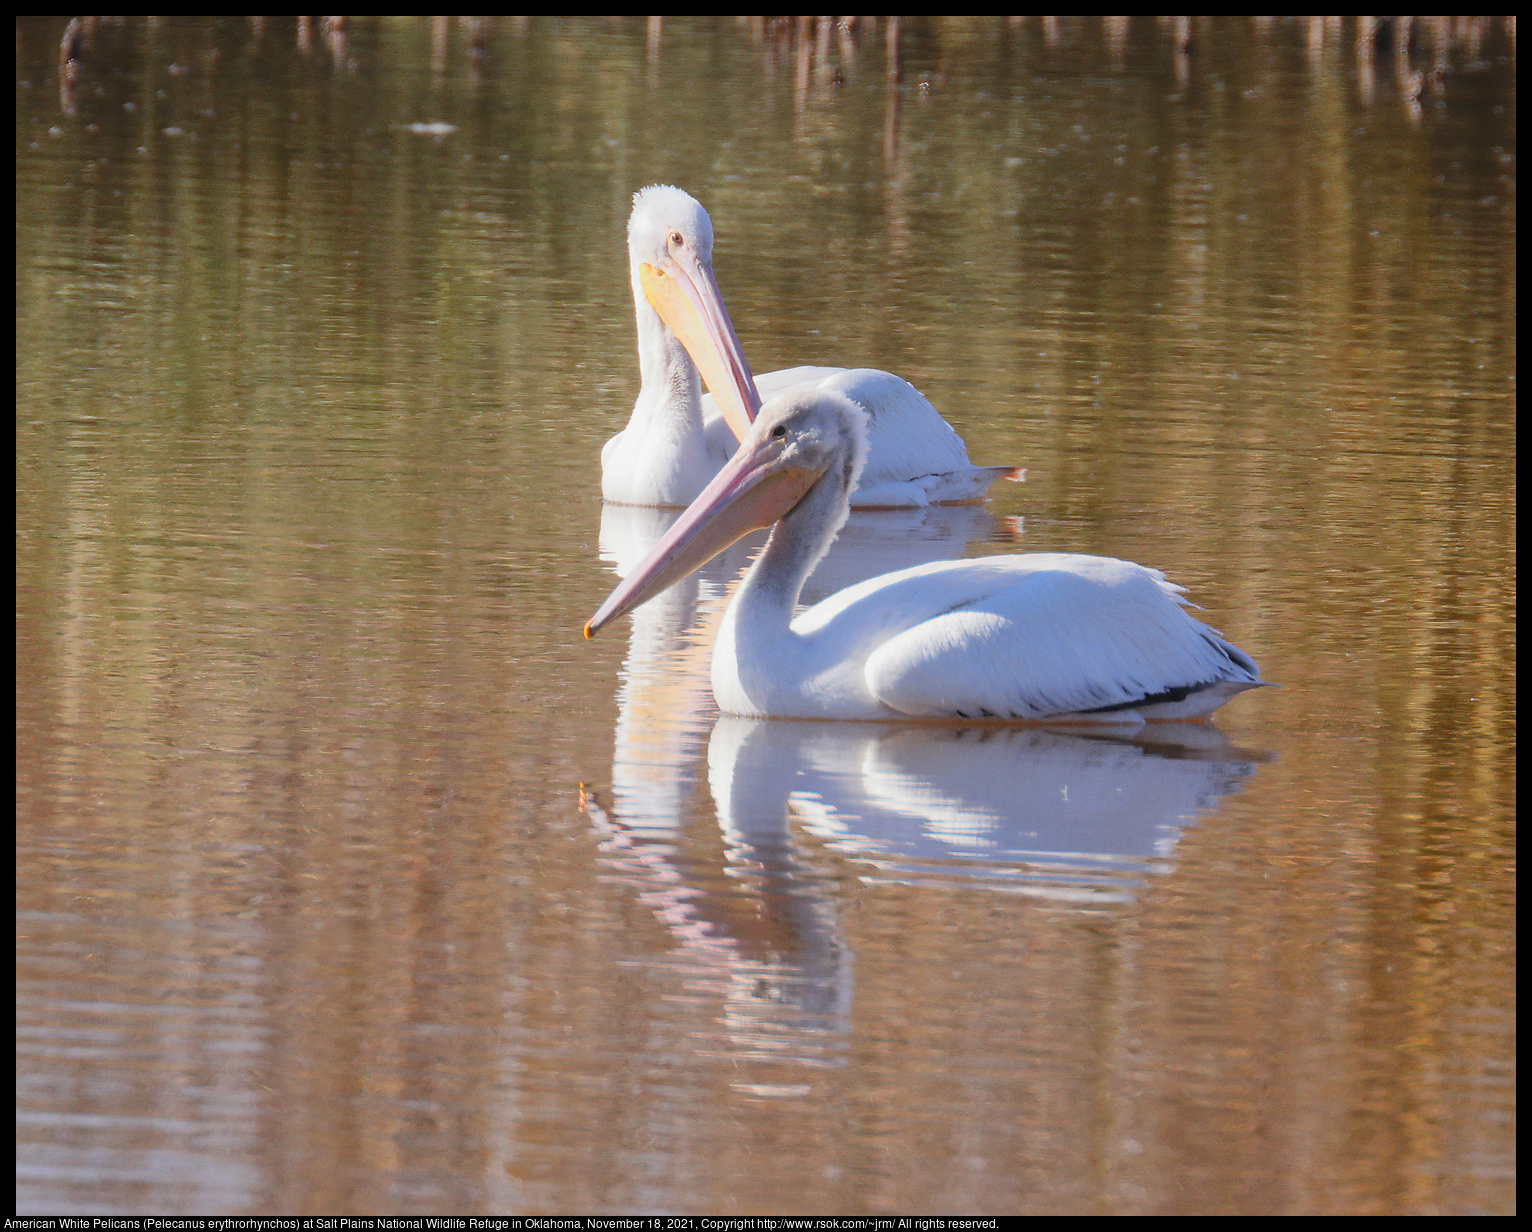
pixel 1076 820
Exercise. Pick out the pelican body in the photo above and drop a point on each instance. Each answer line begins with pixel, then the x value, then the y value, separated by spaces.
pixel 1042 637
pixel 677 438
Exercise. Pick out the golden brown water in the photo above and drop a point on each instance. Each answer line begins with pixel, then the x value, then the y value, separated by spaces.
pixel 351 880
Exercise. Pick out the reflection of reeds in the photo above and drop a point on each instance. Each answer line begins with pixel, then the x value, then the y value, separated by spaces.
pixel 1420 50
pixel 69 64
pixel 815 44
pixel 825 51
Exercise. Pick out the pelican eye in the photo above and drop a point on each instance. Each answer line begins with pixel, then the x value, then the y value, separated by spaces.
pixel 678 239
pixel 779 431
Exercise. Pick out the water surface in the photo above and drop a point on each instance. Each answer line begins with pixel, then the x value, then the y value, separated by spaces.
pixel 351 880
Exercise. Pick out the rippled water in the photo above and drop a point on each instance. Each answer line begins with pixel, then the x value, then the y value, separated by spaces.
pixel 352 880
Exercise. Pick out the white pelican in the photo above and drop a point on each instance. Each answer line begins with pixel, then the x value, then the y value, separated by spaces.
pixel 677 439
pixel 1046 636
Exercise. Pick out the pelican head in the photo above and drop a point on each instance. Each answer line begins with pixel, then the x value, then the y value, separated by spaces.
pixel 802 436
pixel 670 259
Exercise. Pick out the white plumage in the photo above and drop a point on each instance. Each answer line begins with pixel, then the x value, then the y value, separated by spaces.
pixel 1046 636
pixel 678 438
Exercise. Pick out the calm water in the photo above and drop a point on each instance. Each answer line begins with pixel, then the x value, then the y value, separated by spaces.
pixel 351 880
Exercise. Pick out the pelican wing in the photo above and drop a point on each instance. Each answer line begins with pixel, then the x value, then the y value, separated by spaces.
pixel 907 439
pixel 773 383
pixel 914 457
pixel 1061 635
pixel 905 435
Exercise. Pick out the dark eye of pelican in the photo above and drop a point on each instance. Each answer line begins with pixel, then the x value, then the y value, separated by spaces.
pixel 779 431
pixel 678 239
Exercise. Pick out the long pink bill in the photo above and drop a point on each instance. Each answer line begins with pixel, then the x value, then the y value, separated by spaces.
pixel 685 294
pixel 753 490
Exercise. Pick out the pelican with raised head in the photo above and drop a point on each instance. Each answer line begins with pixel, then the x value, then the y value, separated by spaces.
pixel 677 438
pixel 1042 637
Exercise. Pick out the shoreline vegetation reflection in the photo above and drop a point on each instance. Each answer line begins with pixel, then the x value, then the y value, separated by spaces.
pixel 1407 55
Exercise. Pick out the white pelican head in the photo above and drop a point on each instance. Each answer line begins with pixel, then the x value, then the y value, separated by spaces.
pixel 670 260
pixel 802 436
